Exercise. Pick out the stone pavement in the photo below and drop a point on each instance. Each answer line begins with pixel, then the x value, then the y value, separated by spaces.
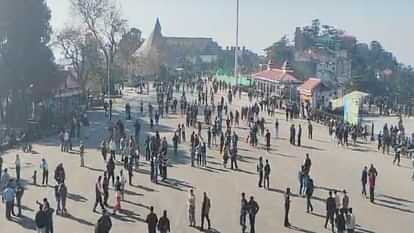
pixel 333 167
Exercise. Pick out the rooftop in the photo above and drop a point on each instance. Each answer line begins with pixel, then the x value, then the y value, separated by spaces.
pixel 277 76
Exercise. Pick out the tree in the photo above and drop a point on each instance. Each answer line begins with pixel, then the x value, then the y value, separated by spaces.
pixel 280 51
pixel 102 18
pixel 73 44
pixel 128 45
pixel 27 62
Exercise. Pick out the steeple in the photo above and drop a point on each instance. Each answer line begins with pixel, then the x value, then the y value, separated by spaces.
pixel 157 27
pixel 153 43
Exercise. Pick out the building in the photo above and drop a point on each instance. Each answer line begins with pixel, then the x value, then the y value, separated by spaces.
pixel 315 94
pixel 66 94
pixel 335 69
pixel 172 52
pixel 279 82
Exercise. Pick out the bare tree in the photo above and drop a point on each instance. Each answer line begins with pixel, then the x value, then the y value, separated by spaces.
pixel 102 18
pixel 73 44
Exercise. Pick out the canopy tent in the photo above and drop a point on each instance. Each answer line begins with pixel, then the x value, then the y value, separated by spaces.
pixel 230 79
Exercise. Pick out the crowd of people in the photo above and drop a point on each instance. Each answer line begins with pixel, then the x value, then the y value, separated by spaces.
pixel 207 111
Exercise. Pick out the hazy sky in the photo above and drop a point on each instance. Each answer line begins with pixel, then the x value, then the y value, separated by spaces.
pixel 263 22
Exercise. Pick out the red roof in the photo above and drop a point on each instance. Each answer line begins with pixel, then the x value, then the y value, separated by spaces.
pixel 309 86
pixel 276 75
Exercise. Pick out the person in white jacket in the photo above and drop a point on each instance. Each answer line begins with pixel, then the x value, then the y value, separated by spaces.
pixel 191 208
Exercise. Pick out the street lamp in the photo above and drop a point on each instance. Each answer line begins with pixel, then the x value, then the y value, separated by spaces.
pixel 237 45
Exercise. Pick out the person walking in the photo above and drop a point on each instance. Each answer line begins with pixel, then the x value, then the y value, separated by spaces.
pixel 372 176
pixel 205 211
pixel 17 163
pixel 260 168
pixel 110 169
pixel 345 201
pixel 8 198
pixel 40 220
pixel 191 208
pixel 45 172
pixel 104 150
pixel 112 148
pixel 253 209
pixel 5 179
pixel 60 174
pixel 243 212
pixel 130 172
pixel 152 221
pixel 164 223
pixel 123 182
pixel 307 164
pixel 58 198
pixel 337 202
pixel 340 221
pixel 350 221
pixel 364 181
pixel 105 189
pixel 118 189
pixel 49 216
pixel 287 207
pixel 301 175
pixel 277 128
pixel 19 196
pixel 98 194
pixel 330 211
pixel 267 169
pixel 104 223
pixel 292 134
pixel 233 159
pixel 397 155
pixel 310 130
pixel 299 135
pixel 82 154
pixel 309 193
pixel 267 135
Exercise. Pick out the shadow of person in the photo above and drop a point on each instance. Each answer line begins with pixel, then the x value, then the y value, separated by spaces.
pixel 25 222
pixel 79 220
pixel 296 228
pixel 76 197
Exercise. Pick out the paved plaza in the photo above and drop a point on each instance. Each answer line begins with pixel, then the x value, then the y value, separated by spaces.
pixel 333 167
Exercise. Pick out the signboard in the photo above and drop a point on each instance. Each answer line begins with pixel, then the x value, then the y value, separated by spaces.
pixel 352 102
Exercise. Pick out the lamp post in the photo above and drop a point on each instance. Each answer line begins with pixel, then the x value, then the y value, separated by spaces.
pixel 237 45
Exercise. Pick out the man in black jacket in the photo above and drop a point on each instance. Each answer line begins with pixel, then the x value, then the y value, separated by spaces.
pixel 253 208
pixel 152 221
pixel 309 193
pixel 330 210
pixel 104 223
pixel 40 219
pixel 260 168
pixel 164 223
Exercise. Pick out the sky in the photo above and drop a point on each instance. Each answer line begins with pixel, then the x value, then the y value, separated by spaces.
pixel 263 22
